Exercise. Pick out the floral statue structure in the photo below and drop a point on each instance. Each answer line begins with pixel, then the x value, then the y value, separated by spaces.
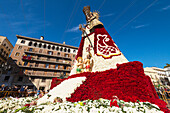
pixel 102 71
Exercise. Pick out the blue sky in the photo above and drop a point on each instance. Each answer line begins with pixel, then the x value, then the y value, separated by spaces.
pixel 140 28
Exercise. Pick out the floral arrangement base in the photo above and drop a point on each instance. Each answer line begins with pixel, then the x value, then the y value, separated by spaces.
pixel 128 82
pixel 22 105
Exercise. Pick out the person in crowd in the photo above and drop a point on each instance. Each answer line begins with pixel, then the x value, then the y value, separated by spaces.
pixel 15 89
pixel 38 92
pixel 3 87
pixel 41 94
pixel 21 91
pixel 26 91
pixel 6 88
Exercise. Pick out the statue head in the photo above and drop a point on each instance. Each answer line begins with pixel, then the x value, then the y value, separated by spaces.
pixel 87 13
pixel 79 60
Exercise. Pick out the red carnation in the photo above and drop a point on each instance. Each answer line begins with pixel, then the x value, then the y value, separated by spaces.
pixel 114 103
pixel 27 105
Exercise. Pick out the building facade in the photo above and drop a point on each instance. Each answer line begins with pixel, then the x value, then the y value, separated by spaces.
pixel 39 61
pixel 167 68
pixel 157 75
pixel 5 49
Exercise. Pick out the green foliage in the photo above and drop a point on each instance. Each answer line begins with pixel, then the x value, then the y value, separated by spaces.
pixel 25 109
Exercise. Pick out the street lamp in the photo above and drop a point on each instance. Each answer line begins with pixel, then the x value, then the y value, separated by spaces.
pixel 4 67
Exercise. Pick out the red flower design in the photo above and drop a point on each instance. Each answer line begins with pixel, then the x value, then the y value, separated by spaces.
pixel 128 82
pixel 27 105
pixel 114 103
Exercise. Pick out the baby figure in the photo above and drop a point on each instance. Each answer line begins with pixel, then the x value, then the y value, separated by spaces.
pixel 79 65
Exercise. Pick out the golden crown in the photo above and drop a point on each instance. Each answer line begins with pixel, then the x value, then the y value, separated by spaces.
pixel 86 10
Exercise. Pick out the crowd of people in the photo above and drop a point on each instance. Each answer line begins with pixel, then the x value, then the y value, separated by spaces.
pixel 15 91
pixel 23 91
pixel 163 92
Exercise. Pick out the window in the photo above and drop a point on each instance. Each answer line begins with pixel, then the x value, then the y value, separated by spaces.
pixel 25 63
pixel 49 47
pixel 65 67
pixel 40 45
pixel 73 56
pixel 47 65
pixel 69 50
pixel 6 78
pixel 9 49
pixel 19 47
pixel 4 44
pixel 58 53
pixel 30 49
pixel 74 51
pixel 53 47
pixel 50 52
pixel 57 59
pixel 57 48
pixel 35 44
pixel 40 51
pixel 56 66
pixel 36 64
pixel 43 79
pixel 61 49
pixel 20 79
pixel 44 46
pixel 64 73
pixel 65 50
pixel 30 44
pixel 48 59
pixel 66 55
pixel 38 58
pixel 17 54
pixel 23 41
pixel 28 55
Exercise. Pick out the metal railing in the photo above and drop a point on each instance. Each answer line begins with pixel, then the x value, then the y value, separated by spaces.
pixel 165 96
pixel 16 94
pixel 42 74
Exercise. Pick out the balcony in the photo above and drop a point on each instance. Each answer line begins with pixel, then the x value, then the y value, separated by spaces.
pixel 44 68
pixel 44 61
pixel 42 74
pixel 47 55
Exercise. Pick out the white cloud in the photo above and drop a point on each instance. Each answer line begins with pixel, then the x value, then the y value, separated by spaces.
pixel 106 15
pixel 140 26
pixel 165 8
pixel 74 29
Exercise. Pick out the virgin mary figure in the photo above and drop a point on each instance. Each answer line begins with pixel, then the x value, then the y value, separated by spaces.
pixel 96 41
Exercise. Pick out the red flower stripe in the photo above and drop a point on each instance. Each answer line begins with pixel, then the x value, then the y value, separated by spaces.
pixel 128 82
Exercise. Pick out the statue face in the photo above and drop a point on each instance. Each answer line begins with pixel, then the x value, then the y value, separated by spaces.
pixel 89 15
